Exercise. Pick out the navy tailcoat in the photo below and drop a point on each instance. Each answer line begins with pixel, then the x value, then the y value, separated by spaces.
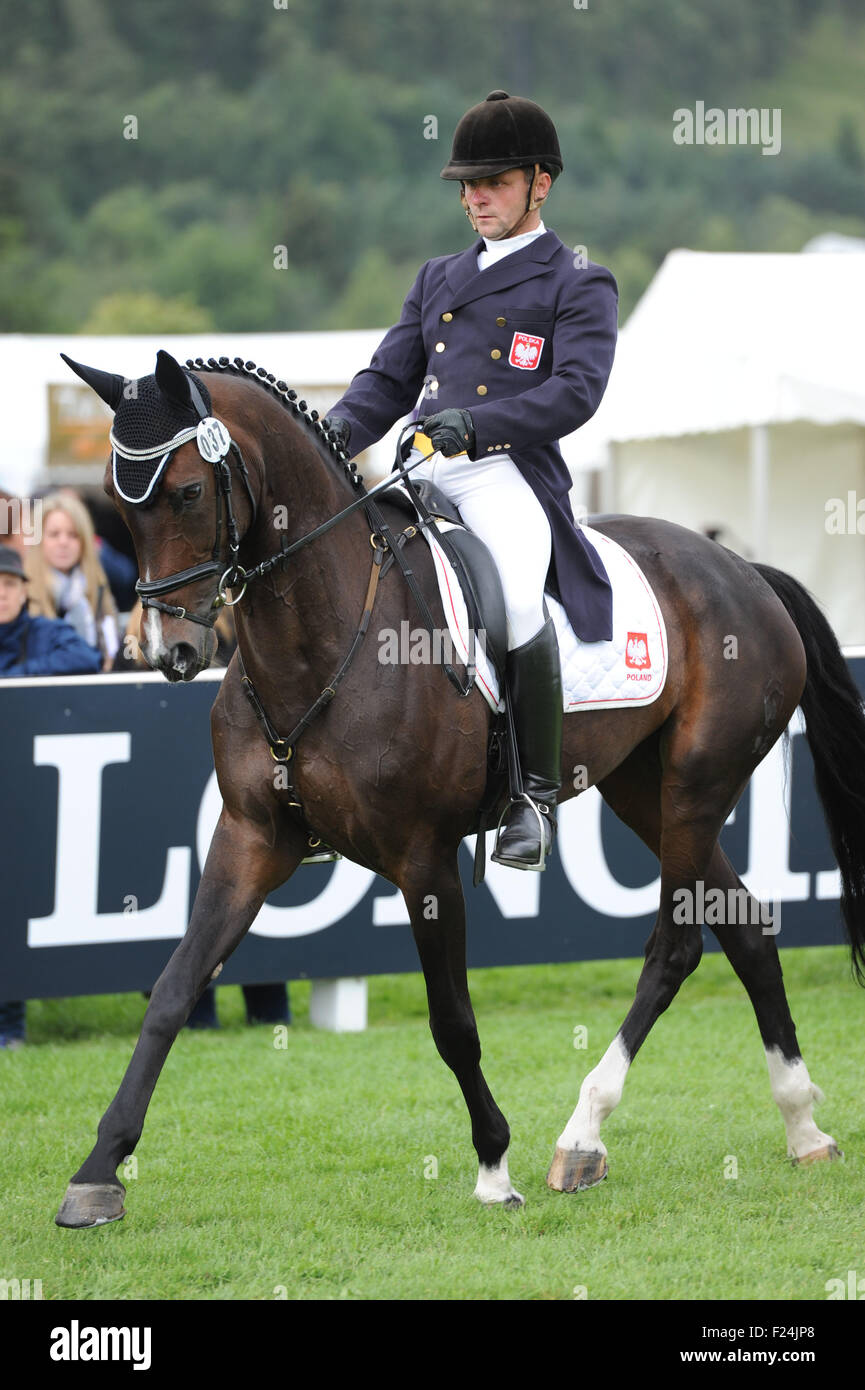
pixel 526 346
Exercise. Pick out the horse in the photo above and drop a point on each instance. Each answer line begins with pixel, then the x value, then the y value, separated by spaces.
pixel 392 765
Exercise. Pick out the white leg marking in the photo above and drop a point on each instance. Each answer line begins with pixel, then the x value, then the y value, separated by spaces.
pixel 494 1185
pixel 795 1094
pixel 600 1093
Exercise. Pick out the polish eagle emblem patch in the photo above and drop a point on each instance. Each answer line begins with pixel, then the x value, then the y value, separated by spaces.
pixel 637 652
pixel 526 351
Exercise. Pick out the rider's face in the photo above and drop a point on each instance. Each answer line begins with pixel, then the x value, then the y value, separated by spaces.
pixel 498 204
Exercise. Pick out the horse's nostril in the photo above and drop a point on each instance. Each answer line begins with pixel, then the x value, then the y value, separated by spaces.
pixel 182 656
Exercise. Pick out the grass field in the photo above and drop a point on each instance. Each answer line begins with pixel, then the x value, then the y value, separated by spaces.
pixel 305 1172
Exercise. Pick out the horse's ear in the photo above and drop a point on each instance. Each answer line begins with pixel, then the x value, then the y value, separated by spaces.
pixel 107 385
pixel 172 379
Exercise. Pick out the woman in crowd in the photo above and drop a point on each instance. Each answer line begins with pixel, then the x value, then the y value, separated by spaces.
pixel 66 579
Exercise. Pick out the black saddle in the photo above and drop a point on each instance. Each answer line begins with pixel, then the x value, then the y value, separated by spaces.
pixel 475 567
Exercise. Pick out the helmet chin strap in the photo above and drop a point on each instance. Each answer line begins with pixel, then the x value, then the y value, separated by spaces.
pixel 466 208
pixel 532 205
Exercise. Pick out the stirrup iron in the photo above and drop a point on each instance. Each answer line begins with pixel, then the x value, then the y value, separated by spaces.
pixel 545 827
pixel 319 852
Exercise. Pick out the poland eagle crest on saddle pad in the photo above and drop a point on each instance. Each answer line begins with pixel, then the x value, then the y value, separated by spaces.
pixel 629 670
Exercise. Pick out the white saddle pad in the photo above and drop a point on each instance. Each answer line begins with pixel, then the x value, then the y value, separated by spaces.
pixel 629 670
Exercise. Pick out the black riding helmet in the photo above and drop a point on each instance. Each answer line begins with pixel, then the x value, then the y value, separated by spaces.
pixel 503 132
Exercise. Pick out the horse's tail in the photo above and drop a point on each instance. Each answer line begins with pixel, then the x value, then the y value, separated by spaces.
pixel 835 728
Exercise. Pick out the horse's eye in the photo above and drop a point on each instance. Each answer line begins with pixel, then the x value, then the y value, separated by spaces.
pixel 190 493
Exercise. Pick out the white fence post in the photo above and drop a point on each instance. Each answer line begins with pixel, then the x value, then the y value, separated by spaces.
pixel 339 1005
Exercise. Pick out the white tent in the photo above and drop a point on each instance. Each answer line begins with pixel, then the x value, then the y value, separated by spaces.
pixel 737 401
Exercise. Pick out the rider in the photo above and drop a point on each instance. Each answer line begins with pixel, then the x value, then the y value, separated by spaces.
pixel 512 342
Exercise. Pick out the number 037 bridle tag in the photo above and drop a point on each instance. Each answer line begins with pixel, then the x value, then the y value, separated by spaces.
pixel 214 441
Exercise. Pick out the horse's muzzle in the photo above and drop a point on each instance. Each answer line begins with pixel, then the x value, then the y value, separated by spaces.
pixel 183 661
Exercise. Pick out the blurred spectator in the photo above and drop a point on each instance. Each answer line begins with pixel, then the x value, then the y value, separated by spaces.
pixel 32 646
pixel 67 580
pixel 121 573
pixel 36 646
pixel 121 570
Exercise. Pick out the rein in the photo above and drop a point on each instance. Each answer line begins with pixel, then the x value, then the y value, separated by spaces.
pixel 266 565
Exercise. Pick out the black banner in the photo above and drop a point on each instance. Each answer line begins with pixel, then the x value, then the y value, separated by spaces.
pixel 110 804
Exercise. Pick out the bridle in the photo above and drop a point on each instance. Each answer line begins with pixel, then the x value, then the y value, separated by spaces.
pixel 216 446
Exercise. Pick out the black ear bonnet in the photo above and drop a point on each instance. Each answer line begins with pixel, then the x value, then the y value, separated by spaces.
pixel 148 427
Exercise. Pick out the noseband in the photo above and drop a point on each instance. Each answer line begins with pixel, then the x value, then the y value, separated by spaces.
pixel 216 446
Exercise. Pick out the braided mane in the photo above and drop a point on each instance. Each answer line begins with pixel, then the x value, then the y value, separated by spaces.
pixel 288 399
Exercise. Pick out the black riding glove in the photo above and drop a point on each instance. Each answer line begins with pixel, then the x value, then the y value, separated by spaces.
pixel 339 428
pixel 450 432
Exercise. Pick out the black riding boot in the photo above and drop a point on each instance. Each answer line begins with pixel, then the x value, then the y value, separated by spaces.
pixel 535 684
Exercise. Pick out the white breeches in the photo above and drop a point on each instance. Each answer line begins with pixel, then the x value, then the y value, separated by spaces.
pixel 497 504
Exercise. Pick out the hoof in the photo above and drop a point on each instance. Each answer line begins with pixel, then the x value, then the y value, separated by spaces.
pixel 91 1204
pixel 828 1152
pixel 575 1171
pixel 514 1202
pixel 510 1200
pixel 494 1187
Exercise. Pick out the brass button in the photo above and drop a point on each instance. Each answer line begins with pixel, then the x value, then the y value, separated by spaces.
pixel 507 446
pixel 440 347
pixel 496 353
pixel 501 322
pixel 446 318
pixel 489 448
pixel 482 390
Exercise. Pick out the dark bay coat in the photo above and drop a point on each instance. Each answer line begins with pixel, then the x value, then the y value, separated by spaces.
pixel 526 346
